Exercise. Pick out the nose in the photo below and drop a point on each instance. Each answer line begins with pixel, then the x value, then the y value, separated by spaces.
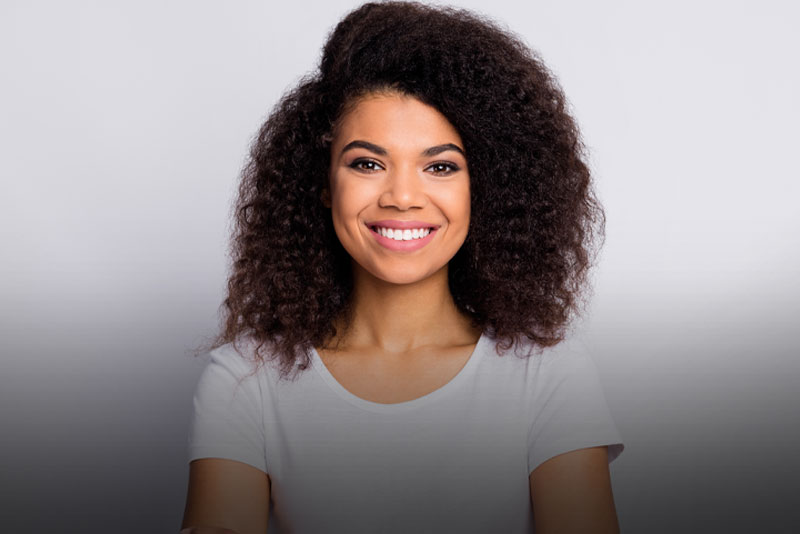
pixel 404 189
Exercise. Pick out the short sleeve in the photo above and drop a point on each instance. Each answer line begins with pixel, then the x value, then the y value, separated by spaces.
pixel 227 417
pixel 570 411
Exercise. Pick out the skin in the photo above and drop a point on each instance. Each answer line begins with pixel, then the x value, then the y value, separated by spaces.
pixel 571 494
pixel 405 323
pixel 226 497
pixel 401 300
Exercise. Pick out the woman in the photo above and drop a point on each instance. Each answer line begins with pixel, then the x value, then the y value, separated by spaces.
pixel 413 236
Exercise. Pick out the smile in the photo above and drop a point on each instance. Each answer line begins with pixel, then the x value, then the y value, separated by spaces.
pixel 402 235
pixel 407 239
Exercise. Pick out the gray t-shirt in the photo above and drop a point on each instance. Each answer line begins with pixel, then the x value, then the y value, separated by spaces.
pixel 455 460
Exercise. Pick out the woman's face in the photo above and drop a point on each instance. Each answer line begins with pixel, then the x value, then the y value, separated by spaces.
pixel 398 171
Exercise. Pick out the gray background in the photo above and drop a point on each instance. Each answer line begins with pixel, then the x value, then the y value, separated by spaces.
pixel 123 127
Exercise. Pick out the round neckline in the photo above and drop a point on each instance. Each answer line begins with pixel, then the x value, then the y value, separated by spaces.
pixel 345 394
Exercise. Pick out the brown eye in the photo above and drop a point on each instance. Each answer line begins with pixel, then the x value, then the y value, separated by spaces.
pixel 443 168
pixel 367 165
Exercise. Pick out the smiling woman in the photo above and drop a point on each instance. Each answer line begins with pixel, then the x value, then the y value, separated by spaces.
pixel 398 166
pixel 413 235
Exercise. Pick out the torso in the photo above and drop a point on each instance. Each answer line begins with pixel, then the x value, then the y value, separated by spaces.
pixel 393 379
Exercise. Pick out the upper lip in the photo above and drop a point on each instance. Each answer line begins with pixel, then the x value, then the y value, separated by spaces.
pixel 392 223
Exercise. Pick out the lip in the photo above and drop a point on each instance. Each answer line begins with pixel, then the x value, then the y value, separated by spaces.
pixel 403 225
pixel 403 246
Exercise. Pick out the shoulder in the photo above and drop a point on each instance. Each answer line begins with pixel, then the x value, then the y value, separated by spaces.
pixel 569 356
pixel 562 376
pixel 240 353
pixel 531 376
pixel 244 357
pixel 568 368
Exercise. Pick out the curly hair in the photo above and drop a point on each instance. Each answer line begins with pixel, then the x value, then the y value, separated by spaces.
pixel 535 222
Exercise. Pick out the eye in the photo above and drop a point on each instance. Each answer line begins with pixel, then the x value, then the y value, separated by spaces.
pixel 444 168
pixel 366 165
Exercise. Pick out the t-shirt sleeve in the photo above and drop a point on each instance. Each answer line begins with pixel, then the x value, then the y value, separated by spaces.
pixel 570 411
pixel 227 419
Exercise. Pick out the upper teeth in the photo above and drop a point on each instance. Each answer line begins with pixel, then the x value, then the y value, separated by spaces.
pixel 403 235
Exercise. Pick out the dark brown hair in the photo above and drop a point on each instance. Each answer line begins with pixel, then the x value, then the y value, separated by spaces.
pixel 535 222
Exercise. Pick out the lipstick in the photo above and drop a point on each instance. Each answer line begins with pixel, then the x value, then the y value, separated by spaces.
pixel 394 223
pixel 402 245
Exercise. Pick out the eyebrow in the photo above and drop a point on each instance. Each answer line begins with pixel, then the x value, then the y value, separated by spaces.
pixel 432 151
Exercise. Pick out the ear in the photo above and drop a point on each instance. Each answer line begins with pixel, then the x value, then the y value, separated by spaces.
pixel 325 197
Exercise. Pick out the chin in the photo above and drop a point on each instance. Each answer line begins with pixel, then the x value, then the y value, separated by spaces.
pixel 403 277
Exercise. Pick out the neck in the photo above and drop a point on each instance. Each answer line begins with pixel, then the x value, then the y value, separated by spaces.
pixel 399 318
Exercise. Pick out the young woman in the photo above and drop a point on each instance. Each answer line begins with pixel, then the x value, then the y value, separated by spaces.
pixel 413 236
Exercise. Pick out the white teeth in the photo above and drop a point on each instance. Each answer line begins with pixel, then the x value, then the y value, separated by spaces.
pixel 403 235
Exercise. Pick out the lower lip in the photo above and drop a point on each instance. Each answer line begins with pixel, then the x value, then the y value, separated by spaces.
pixel 403 245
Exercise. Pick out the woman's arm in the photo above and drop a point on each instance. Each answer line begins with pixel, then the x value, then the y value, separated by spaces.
pixel 571 493
pixel 228 495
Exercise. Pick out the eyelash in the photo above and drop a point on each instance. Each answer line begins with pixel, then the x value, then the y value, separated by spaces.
pixel 452 167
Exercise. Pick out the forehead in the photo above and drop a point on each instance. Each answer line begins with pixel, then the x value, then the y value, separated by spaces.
pixel 394 117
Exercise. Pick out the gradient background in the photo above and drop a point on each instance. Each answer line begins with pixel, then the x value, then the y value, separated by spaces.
pixel 123 127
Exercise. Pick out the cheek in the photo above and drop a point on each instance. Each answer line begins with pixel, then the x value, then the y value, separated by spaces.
pixel 458 203
pixel 342 202
pixel 348 201
pixel 466 200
